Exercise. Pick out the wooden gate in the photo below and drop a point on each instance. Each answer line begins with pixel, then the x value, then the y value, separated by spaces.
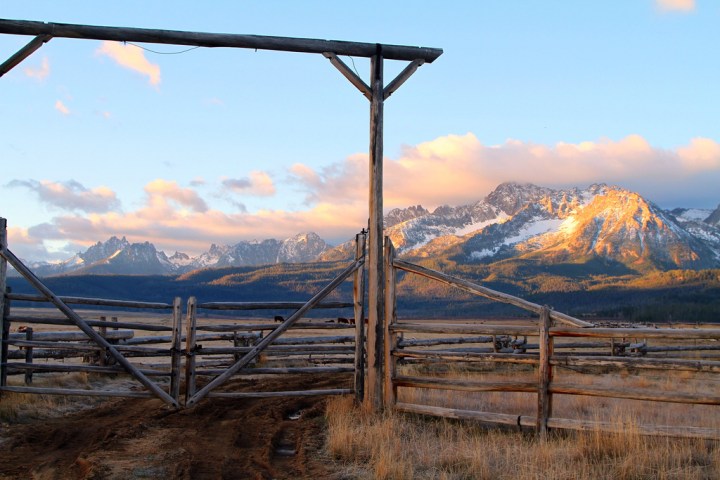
pixel 248 345
pixel 102 344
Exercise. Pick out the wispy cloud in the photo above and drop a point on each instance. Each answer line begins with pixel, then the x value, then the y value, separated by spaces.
pixel 41 72
pixel 675 5
pixel 71 195
pixel 257 184
pixel 62 108
pixel 164 195
pixel 131 57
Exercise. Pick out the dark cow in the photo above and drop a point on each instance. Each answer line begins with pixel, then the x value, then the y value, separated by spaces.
pixel 343 320
pixel 279 318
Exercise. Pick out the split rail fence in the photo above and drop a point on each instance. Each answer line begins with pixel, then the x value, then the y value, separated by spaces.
pixel 558 341
pixel 150 347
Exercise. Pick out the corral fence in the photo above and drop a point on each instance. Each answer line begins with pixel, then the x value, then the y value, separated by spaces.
pixel 150 347
pixel 556 341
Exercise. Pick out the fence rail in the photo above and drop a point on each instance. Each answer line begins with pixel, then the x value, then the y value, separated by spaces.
pixel 571 345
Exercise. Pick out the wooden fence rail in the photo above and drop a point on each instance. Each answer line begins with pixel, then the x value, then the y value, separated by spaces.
pixel 590 349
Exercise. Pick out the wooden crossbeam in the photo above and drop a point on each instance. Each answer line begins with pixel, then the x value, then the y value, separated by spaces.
pixel 23 53
pixel 201 39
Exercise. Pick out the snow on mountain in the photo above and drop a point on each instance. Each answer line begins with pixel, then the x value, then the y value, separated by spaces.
pixel 566 225
pixel 303 247
pixel 714 218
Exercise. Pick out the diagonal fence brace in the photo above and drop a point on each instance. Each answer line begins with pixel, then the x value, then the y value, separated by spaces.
pixel 82 325
pixel 258 349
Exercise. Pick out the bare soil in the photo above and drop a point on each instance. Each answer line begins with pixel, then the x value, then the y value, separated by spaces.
pixel 217 439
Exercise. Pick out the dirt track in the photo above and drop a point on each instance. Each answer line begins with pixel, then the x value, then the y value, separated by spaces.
pixel 141 438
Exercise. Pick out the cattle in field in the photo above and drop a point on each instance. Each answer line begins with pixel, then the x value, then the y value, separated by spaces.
pixel 279 318
pixel 351 321
pixel 343 320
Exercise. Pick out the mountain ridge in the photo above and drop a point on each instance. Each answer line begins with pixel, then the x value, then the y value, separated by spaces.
pixel 516 220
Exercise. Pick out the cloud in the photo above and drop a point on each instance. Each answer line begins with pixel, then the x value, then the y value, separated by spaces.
pixel 131 57
pixel 60 107
pixel 458 169
pixel 257 184
pixel 675 5
pixel 71 195
pixel 453 169
pixel 41 72
pixel 162 194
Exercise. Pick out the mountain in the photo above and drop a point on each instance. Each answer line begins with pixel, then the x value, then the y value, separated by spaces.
pixel 532 223
pixel 606 226
pixel 120 257
pixel 714 218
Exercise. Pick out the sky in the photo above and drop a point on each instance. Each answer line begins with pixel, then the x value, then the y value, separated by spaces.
pixel 185 148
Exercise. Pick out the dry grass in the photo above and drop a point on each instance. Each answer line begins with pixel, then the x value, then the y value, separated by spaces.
pixel 397 446
pixel 24 407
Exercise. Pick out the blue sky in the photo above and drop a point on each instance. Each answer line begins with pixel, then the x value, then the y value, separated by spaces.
pixel 222 145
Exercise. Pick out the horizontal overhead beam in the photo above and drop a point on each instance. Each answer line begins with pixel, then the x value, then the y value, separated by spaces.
pixel 230 40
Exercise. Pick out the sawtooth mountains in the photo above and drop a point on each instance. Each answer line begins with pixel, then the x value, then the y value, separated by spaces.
pixel 600 251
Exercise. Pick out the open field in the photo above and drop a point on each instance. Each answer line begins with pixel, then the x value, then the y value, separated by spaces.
pixel 321 437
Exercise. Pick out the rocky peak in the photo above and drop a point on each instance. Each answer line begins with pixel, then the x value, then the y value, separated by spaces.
pixel 714 218
pixel 399 215
pixel 511 197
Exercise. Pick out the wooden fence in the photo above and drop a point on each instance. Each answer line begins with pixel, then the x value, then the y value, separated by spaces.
pixel 557 341
pixel 72 350
pixel 230 346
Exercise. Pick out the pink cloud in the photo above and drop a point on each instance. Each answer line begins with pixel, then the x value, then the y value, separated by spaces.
pixel 41 72
pixel 458 169
pixel 257 184
pixel 131 57
pixel 71 195
pixel 676 5
pixel 60 107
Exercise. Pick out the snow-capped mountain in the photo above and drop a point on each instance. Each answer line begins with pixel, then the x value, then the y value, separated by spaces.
pixel 514 221
pixel 570 225
pixel 120 257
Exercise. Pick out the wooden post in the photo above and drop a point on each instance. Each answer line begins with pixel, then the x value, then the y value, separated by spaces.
pixel 545 343
pixel 28 356
pixel 359 312
pixel 114 320
pixel 175 350
pixel 4 306
pixel 190 349
pixel 390 319
pixel 102 356
pixel 376 284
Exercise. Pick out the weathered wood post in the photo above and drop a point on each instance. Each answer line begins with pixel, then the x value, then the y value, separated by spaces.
pixel 359 312
pixel 4 305
pixel 102 355
pixel 28 356
pixel 175 350
pixel 391 339
pixel 190 349
pixel 376 284
pixel 545 343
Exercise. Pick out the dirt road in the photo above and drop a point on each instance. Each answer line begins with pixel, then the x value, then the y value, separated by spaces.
pixel 217 439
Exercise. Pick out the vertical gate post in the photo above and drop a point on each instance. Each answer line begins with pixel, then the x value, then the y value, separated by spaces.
pixel 28 356
pixel 190 349
pixel 359 312
pixel 376 291
pixel 390 319
pixel 175 350
pixel 545 341
pixel 4 305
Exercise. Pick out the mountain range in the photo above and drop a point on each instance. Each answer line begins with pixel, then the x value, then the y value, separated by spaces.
pixel 519 222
